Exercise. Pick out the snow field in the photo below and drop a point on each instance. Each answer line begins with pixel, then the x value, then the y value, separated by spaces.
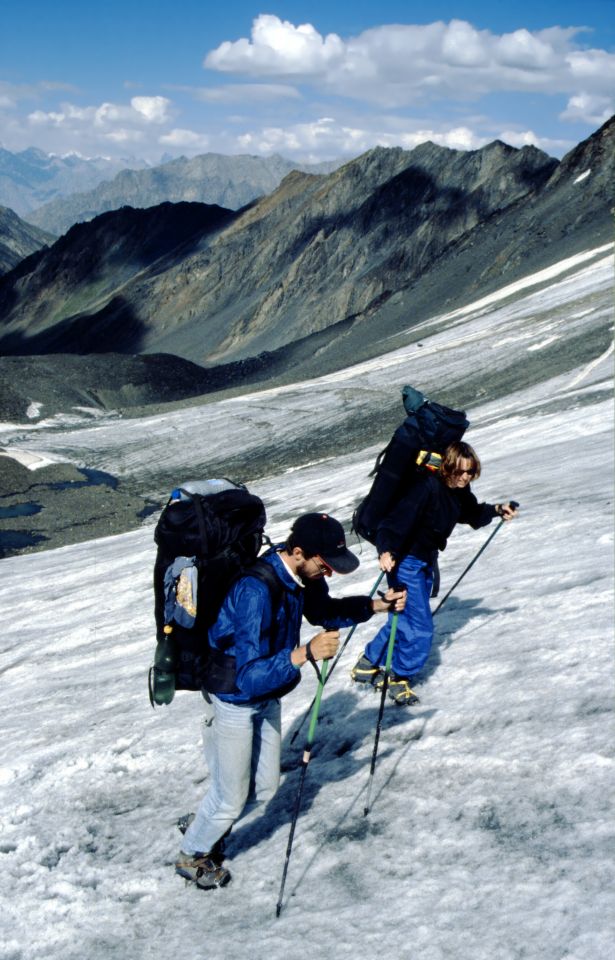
pixel 490 834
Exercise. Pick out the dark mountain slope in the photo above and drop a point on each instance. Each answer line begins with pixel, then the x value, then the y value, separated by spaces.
pixel 18 239
pixel 89 266
pixel 110 381
pixel 573 212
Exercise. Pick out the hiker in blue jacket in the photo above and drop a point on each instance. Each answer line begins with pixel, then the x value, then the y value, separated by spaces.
pixel 243 749
pixel 408 540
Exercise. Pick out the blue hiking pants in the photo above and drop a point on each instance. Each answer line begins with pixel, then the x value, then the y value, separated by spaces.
pixel 414 626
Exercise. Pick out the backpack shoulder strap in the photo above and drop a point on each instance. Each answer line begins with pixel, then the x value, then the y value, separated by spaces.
pixel 200 519
pixel 267 575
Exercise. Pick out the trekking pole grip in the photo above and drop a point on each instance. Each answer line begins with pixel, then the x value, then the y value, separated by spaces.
pixel 311 659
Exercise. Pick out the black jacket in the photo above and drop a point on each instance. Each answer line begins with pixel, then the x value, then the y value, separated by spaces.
pixel 422 521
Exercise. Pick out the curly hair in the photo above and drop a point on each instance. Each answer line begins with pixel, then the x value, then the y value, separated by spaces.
pixel 453 454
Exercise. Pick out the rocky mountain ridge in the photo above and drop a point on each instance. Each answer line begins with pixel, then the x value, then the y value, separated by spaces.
pixel 315 275
pixel 226 181
pixel 314 252
pixel 29 178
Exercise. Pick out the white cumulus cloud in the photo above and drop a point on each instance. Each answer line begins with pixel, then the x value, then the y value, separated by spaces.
pixel 327 138
pixel 184 139
pixel 462 45
pixel 278 48
pixel 42 118
pixel 523 50
pixel 330 138
pixel 141 111
pixel 122 135
pixel 92 127
pixel 152 109
pixel 400 64
pixel 589 108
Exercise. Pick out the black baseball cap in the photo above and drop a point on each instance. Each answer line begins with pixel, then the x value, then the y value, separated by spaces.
pixel 318 534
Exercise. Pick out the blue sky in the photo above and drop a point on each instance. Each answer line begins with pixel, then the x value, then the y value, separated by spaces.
pixel 310 81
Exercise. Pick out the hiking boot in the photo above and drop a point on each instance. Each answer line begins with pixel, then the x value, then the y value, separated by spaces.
pixel 364 671
pixel 201 869
pixel 217 851
pixel 399 690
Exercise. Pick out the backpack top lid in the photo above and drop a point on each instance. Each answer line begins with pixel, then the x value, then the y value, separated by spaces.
pixel 204 488
pixel 224 517
pixel 433 424
pixel 412 399
pixel 417 444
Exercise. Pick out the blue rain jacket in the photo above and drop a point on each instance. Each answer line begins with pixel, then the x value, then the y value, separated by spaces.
pixel 245 629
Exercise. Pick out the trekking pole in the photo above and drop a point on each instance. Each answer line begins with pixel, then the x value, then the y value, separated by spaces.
pixel 307 752
pixel 514 505
pixel 336 659
pixel 385 686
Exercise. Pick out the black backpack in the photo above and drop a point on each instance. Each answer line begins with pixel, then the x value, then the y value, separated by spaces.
pixel 418 444
pixel 208 535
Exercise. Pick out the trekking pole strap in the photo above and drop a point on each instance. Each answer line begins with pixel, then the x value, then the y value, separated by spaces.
pixel 310 657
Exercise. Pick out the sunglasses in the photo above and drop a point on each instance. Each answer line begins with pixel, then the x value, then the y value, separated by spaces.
pixel 460 473
pixel 323 567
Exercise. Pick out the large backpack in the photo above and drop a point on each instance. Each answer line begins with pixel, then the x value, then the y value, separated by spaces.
pixel 416 445
pixel 209 534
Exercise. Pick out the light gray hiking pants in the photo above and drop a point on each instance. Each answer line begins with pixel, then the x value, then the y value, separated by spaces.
pixel 242 748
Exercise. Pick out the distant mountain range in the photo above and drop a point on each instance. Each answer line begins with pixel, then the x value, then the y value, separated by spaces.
pixel 31 177
pixel 18 239
pixel 227 181
pixel 315 275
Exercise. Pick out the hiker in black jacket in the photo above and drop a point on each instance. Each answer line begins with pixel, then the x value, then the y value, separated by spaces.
pixel 408 540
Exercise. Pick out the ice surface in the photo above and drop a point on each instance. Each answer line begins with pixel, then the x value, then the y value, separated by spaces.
pixel 491 831
pixel 470 342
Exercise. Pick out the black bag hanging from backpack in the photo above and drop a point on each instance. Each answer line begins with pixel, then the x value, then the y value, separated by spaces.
pixel 418 444
pixel 208 534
